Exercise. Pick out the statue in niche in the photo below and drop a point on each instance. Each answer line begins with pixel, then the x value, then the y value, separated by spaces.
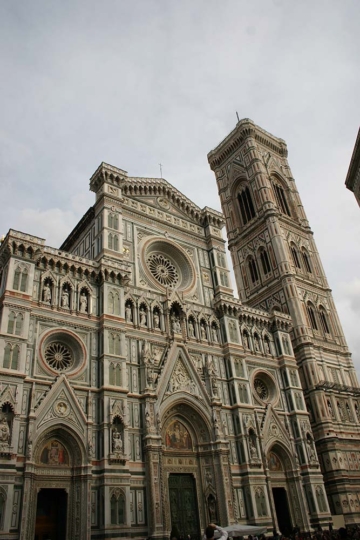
pixel 47 293
pixel 128 313
pixel 214 334
pixel 246 340
pixel 212 509
pixel 257 343
pixel 143 321
pixel 175 324
pixel 156 321
pixel 267 346
pixel 65 298
pixel 311 449
pixel 83 302
pixel 117 442
pixel 253 449
pixel 4 431
pixel 191 329
pixel 202 331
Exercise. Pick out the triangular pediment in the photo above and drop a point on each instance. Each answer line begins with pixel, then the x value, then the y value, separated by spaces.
pixel 60 405
pixel 180 376
pixel 7 396
pixel 273 429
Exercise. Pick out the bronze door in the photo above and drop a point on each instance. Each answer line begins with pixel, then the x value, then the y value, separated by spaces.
pixel 183 505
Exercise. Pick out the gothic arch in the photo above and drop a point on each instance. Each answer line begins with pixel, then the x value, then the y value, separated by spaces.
pixel 70 439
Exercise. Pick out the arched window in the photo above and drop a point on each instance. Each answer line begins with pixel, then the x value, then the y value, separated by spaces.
pixel 20 279
pixel 311 315
pixel 15 357
pixel 323 320
pixel 110 221
pixel 254 274
pixel 7 356
pixel 281 199
pixel 117 507
pixel 306 260
pixel 19 324
pixel 295 255
pixel 116 242
pixel 246 205
pixel 17 276
pixel 110 241
pixel 265 261
pixel 23 282
pixel 11 323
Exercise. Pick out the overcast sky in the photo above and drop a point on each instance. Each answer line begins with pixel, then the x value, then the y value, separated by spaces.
pixel 140 83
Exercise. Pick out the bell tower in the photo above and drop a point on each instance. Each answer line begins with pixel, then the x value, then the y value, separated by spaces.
pixel 277 268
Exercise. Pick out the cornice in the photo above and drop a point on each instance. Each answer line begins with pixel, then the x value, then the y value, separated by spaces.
pixel 244 129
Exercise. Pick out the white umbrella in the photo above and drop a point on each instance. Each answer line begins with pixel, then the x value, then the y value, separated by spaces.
pixel 242 530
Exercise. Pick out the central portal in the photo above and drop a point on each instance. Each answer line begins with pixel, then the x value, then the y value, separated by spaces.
pixel 282 510
pixel 51 513
pixel 183 505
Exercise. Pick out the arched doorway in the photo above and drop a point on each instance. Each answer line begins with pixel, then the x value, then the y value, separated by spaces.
pixel 284 489
pixel 56 488
pixel 189 471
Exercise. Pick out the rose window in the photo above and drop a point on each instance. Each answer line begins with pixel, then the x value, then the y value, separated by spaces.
pixel 163 270
pixel 58 356
pixel 261 389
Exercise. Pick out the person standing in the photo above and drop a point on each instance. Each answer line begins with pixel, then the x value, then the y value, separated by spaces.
pixel 210 532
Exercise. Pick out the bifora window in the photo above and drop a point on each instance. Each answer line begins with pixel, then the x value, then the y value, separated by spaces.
pixel 253 270
pixel 281 200
pixel 246 206
pixel 265 261
pixel 312 318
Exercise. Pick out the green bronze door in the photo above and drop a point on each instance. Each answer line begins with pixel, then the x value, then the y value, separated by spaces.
pixel 183 505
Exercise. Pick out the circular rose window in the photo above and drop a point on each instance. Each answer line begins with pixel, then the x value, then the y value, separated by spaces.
pixel 62 351
pixel 261 389
pixel 167 265
pixel 59 356
pixel 265 387
pixel 163 270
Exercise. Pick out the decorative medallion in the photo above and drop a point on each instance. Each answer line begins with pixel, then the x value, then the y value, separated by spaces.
pixel 62 409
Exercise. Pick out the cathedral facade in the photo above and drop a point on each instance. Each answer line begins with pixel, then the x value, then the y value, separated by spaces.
pixel 138 395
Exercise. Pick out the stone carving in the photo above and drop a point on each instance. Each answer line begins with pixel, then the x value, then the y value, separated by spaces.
pixel 65 298
pixel 143 317
pixel 191 329
pixel 214 334
pixel 117 443
pixel 128 313
pixel 83 303
pixel 156 320
pixel 180 379
pixel 4 432
pixel 175 324
pixel 203 331
pixel 47 294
